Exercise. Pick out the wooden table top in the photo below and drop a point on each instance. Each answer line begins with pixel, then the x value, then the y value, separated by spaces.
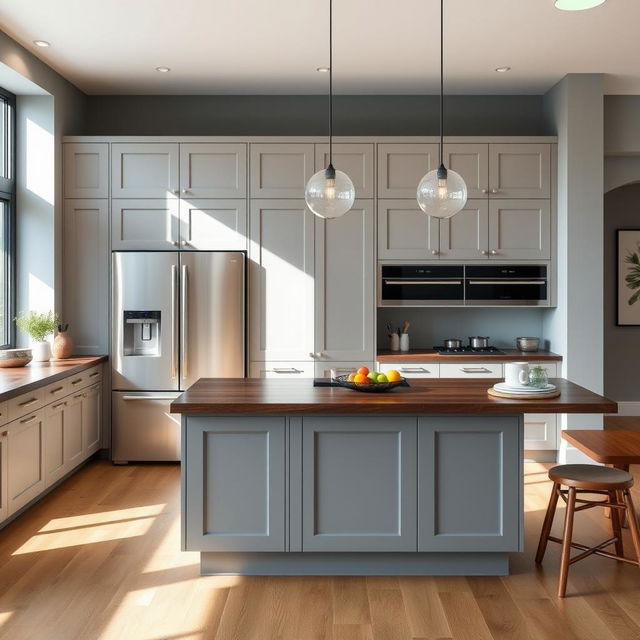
pixel 246 396
pixel 17 380
pixel 611 446
pixel 431 355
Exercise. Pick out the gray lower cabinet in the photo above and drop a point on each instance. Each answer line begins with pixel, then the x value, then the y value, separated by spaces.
pixel 468 497
pixel 235 484
pixel 358 484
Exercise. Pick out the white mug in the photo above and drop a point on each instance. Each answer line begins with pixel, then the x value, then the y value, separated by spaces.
pixel 516 374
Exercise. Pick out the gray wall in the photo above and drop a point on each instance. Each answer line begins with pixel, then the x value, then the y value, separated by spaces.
pixel 430 327
pixel 621 344
pixel 308 115
pixel 621 124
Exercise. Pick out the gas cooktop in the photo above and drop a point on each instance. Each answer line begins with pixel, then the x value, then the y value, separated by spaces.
pixel 468 351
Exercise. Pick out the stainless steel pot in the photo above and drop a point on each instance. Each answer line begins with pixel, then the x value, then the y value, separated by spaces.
pixel 453 343
pixel 528 344
pixel 478 342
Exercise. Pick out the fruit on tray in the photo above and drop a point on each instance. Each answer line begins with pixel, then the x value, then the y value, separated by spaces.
pixel 364 376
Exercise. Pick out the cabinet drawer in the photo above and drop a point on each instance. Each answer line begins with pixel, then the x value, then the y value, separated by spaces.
pixel 471 370
pixel 26 403
pixel 412 369
pixel 55 390
pixel 84 378
pixel 323 369
pixel 540 431
pixel 94 374
pixel 281 369
pixel 4 413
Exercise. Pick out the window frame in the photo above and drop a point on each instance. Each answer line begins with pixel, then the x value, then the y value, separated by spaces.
pixel 8 195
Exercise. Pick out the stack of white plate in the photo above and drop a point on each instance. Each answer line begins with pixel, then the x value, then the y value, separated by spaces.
pixel 503 387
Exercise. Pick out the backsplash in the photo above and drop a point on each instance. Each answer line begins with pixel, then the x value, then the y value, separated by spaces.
pixel 431 326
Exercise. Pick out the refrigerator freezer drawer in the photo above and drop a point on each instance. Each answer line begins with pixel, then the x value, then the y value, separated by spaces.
pixel 143 428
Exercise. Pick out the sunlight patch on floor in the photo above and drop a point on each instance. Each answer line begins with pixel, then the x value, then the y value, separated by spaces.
pixel 4 617
pixel 103 517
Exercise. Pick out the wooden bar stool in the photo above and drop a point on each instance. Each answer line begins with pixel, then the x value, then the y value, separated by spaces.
pixel 592 479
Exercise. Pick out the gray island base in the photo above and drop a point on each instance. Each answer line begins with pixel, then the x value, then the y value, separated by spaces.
pixel 282 478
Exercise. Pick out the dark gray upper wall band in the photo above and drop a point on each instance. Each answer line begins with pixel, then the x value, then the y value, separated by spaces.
pixel 308 115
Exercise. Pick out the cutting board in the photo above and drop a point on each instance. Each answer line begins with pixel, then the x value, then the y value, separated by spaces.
pixel 523 396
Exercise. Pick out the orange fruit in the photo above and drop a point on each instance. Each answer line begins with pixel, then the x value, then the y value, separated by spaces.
pixel 393 376
pixel 364 371
pixel 360 378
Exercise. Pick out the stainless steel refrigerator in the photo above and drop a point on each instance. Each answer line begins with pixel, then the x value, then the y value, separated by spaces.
pixel 177 317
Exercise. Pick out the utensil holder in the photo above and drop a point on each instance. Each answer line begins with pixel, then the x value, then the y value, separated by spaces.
pixel 394 342
pixel 404 342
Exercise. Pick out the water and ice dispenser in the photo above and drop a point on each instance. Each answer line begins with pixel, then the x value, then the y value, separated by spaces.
pixel 141 333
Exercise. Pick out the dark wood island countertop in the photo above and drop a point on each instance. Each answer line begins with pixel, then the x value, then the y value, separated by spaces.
pixel 253 396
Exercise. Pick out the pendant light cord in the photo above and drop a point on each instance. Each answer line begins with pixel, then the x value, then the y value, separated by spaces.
pixel 331 82
pixel 441 81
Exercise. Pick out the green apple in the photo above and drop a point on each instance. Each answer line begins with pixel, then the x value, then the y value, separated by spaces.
pixel 373 376
pixel 381 378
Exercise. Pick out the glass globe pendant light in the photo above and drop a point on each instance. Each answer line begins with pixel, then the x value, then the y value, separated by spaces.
pixel 330 192
pixel 442 192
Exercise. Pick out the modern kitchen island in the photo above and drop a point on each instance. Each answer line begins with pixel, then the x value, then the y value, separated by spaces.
pixel 283 478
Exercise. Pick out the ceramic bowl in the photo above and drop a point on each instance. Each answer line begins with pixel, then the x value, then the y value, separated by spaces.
pixel 15 357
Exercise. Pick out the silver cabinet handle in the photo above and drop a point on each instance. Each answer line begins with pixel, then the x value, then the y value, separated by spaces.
pixel 414 370
pixel 58 404
pixel 28 420
pixel 404 282
pixel 282 370
pixel 475 370
pixel 174 321
pixel 165 398
pixel 184 321
pixel 507 281
pixel 28 403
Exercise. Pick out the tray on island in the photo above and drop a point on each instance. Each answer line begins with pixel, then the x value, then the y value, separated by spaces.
pixel 372 387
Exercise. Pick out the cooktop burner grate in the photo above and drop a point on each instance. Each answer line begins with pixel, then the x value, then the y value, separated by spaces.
pixel 469 351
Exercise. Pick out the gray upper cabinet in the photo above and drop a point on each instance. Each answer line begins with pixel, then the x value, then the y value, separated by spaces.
pixel 281 170
pixel 281 281
pixel 402 166
pixel 471 161
pixel 86 274
pixel 235 484
pixel 520 170
pixel 465 236
pixel 520 230
pixel 213 170
pixel 86 170
pixel 144 170
pixel 405 232
pixel 356 160
pixel 457 456
pixel 145 224
pixel 344 274
pixel 359 484
pixel 213 224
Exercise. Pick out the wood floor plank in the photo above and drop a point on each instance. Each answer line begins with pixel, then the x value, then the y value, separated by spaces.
pixel 423 607
pixel 350 601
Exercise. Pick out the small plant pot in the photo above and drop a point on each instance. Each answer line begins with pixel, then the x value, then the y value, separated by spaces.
pixel 62 346
pixel 41 351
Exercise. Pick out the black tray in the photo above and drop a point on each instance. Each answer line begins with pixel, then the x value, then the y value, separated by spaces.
pixel 373 387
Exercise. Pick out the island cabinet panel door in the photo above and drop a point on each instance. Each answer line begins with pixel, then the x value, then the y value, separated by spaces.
pixel 359 484
pixel 345 270
pixel 469 483
pixel 281 281
pixel 234 497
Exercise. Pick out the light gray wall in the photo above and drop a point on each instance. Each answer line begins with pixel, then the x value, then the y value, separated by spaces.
pixel 575 108
pixel 621 344
pixel 64 114
pixel 308 115
pixel 430 327
pixel 621 125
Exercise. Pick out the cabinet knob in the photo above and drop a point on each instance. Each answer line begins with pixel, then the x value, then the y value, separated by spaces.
pixel 184 243
pixel 484 252
pixel 312 355
pixel 176 192
pixel 175 243
pixel 185 191
pixel 495 190
pixel 434 252
pixel 493 252
pixel 4 434
pixel 485 190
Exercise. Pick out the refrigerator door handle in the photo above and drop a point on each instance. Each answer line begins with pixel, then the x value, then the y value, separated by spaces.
pixel 184 321
pixel 174 321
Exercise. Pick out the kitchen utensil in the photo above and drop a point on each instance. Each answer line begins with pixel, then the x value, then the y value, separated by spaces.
pixel 528 344
pixel 478 342
pixel 523 396
pixel 453 343
pixel 516 374
pixel 538 377
pixel 15 357
pixel 376 387
pixel 405 326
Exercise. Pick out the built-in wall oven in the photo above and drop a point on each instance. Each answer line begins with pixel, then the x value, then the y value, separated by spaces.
pixel 464 285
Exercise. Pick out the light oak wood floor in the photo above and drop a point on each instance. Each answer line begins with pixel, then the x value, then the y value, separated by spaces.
pixel 99 558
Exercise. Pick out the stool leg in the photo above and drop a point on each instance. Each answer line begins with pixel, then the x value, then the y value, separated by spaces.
pixel 566 542
pixel 615 524
pixel 632 519
pixel 548 523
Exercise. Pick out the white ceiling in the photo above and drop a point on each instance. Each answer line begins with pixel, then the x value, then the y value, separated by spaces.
pixel 274 46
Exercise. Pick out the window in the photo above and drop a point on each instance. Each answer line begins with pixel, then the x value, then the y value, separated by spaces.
pixel 7 214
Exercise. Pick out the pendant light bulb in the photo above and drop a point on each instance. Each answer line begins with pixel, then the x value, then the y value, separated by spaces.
pixel 442 193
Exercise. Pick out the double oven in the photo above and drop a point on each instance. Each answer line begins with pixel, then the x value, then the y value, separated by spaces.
pixel 525 285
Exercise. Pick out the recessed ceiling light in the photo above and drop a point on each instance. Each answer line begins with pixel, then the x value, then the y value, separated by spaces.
pixel 577 5
pixel 163 69
pixel 503 69
pixel 322 69
pixel 41 43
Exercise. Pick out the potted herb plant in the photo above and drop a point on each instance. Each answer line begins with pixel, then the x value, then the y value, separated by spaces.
pixel 39 326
